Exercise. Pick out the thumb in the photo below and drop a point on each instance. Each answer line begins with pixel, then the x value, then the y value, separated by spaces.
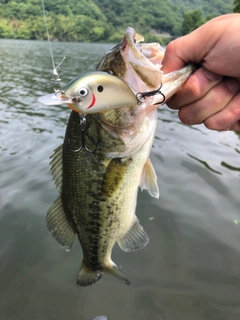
pixel 174 58
pixel 186 49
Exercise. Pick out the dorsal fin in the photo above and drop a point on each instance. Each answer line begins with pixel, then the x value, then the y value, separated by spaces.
pixel 56 166
pixel 149 179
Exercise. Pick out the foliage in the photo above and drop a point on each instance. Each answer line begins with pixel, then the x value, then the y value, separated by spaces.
pixel 191 21
pixel 213 7
pixel 106 20
pixel 236 7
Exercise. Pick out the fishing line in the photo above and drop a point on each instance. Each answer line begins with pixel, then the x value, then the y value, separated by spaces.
pixel 56 77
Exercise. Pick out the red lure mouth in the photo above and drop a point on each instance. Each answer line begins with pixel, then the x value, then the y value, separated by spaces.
pixel 93 102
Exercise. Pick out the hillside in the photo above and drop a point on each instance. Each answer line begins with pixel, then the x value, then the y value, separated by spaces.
pixel 101 20
pixel 213 7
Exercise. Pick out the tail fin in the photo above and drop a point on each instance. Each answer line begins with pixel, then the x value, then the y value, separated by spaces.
pixel 86 276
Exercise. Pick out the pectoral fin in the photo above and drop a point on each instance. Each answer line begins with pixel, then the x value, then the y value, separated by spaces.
pixel 149 179
pixel 135 239
pixel 59 226
pixel 114 175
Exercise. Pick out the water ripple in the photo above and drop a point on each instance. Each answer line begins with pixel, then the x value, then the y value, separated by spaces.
pixel 193 256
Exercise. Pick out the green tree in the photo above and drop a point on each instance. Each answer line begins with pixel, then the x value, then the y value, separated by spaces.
pixel 236 7
pixel 191 21
pixel 106 20
pixel 6 30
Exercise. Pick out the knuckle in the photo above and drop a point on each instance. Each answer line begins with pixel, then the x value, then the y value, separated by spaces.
pixel 187 115
pixel 236 112
pixel 171 46
pixel 184 116
pixel 236 126
pixel 211 124
pixel 194 87
pixel 216 122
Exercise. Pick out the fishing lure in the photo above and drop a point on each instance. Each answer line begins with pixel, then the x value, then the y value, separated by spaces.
pixel 93 92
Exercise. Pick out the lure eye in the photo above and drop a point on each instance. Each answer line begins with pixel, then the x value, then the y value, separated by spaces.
pixel 100 88
pixel 83 92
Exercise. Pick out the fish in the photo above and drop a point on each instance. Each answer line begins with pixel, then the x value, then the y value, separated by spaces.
pixel 105 156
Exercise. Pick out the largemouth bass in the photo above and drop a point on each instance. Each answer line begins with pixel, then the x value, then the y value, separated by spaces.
pixel 105 155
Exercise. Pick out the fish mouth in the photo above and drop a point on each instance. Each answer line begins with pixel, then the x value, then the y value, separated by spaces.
pixel 144 58
pixel 151 51
pixel 132 59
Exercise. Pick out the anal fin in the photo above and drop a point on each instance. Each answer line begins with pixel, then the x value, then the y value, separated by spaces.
pixel 114 271
pixel 135 239
pixel 59 226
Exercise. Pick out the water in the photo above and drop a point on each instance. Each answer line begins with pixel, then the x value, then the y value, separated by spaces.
pixel 189 270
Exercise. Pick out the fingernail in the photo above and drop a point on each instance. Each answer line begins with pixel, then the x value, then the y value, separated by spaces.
pixel 212 76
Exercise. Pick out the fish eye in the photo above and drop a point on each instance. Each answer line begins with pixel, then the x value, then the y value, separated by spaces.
pixel 83 92
pixel 100 88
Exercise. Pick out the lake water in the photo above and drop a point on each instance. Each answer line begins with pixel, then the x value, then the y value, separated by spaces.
pixel 191 268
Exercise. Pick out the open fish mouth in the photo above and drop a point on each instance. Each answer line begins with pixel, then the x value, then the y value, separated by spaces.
pixel 132 60
pixel 153 52
pixel 144 58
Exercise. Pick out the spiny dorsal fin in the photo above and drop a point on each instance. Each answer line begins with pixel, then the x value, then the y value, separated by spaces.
pixel 59 226
pixel 56 166
pixel 135 239
pixel 149 179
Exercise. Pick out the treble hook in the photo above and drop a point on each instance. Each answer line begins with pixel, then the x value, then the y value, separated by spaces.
pixel 141 96
pixel 82 124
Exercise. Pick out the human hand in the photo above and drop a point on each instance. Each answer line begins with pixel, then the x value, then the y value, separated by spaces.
pixel 212 93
